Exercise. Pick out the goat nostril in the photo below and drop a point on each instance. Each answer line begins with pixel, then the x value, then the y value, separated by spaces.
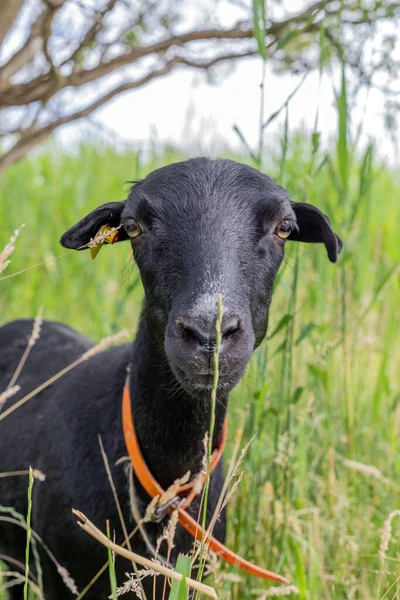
pixel 230 326
pixel 189 331
pixel 189 334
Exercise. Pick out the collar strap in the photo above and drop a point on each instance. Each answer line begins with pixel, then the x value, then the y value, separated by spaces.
pixel 153 488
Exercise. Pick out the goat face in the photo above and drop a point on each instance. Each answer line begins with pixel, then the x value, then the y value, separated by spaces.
pixel 198 229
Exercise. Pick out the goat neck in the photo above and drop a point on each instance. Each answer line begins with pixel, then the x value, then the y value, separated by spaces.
pixel 170 424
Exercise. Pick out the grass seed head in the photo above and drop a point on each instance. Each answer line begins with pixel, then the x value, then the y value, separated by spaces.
pixel 8 250
pixel 106 343
pixel 4 396
pixel 387 534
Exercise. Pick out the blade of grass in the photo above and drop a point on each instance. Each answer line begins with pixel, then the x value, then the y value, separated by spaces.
pixel 179 589
pixel 28 533
pixel 111 566
pixel 260 26
pixel 211 433
pixel 342 144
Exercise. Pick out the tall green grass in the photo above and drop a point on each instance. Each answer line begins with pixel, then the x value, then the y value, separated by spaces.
pixel 323 391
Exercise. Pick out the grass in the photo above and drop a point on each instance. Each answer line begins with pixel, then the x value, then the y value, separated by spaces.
pixel 322 393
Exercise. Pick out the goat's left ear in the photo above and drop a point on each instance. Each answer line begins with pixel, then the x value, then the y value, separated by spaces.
pixel 314 227
pixel 87 228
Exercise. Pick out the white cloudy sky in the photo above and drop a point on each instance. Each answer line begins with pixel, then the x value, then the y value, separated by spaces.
pixel 185 108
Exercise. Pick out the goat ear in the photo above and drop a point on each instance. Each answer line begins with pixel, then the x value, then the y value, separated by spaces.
pixel 313 227
pixel 86 229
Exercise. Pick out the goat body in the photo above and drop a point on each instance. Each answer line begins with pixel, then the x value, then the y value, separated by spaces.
pixel 197 229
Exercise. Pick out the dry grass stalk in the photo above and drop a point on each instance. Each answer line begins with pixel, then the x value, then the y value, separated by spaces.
pixel 36 329
pixel 9 560
pixel 37 474
pixel 136 512
pixel 4 263
pixel 139 527
pixel 101 346
pixel 212 564
pixel 173 488
pixel 114 492
pixel 387 534
pixel 367 470
pixel 106 343
pixel 18 577
pixel 66 577
pixel 4 396
pixel 168 534
pixel 284 590
pixel 117 503
pixel 8 250
pixel 44 262
pixel 92 530
pixel 171 529
pixel 148 515
pixel 242 454
pixel 99 239
pixel 232 490
pixel 232 472
pixel 133 583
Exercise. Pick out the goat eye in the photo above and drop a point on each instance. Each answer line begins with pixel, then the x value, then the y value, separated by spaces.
pixel 132 228
pixel 283 230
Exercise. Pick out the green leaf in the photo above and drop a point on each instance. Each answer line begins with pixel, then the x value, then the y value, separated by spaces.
pixel 28 533
pixel 320 373
pixel 305 332
pixel 342 147
pixel 260 25
pixel 296 395
pixel 111 567
pixel 179 589
pixel 282 323
pixel 316 136
pixel 383 283
pixel 288 34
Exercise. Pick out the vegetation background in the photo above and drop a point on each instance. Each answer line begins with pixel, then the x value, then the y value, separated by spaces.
pixel 321 486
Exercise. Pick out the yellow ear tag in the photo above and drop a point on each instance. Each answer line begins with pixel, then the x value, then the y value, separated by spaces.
pixel 107 235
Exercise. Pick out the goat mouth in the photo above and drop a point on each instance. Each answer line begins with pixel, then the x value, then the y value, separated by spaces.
pixel 202 383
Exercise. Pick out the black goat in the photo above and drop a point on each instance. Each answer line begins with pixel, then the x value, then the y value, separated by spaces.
pixel 197 229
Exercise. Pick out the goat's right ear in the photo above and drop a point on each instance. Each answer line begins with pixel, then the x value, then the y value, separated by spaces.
pixel 86 229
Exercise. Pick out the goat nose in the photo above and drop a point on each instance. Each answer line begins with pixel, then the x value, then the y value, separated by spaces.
pixel 230 325
pixel 193 329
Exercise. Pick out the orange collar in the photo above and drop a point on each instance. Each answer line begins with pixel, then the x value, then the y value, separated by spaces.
pixel 153 488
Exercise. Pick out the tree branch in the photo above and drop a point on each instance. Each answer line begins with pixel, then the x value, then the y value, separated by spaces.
pixel 35 42
pixel 31 138
pixel 92 32
pixel 10 10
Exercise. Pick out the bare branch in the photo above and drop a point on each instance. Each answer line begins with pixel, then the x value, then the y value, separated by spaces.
pixel 30 139
pixel 92 32
pixel 10 10
pixel 36 41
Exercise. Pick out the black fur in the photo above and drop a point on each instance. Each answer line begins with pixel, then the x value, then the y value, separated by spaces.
pixel 209 227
